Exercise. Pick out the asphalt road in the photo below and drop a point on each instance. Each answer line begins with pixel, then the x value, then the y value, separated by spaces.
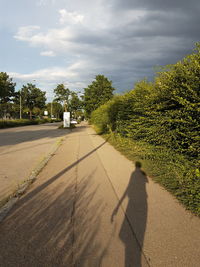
pixel 91 207
pixel 21 150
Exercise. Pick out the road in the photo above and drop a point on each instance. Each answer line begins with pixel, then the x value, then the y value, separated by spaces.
pixel 91 207
pixel 21 150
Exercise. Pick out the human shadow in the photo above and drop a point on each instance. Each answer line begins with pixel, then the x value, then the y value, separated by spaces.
pixel 135 218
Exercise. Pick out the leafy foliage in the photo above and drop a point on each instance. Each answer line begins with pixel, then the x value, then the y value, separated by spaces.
pixel 172 170
pixel 32 97
pixel 62 95
pixel 7 92
pixel 165 115
pixel 55 108
pixel 75 104
pixel 7 88
pixel 23 122
pixel 97 93
pixel 69 99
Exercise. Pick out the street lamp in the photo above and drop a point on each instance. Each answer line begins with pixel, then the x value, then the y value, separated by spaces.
pixel 20 104
pixel 51 109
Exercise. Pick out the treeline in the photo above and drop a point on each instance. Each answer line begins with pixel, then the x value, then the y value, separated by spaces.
pixel 164 114
pixel 30 101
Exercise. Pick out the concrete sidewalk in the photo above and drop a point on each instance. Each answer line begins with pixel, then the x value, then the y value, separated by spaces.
pixel 91 207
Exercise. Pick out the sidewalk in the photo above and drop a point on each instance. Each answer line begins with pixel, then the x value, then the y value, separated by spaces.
pixel 69 216
pixel 172 234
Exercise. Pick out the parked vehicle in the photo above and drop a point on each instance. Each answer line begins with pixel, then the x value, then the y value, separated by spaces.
pixel 73 122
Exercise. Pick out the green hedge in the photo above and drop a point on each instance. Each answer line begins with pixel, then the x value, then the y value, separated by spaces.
pixel 163 114
pixel 23 122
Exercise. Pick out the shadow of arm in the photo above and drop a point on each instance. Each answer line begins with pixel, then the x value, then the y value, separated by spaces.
pixel 118 205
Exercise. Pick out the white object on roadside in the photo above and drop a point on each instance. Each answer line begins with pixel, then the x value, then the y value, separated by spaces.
pixel 66 119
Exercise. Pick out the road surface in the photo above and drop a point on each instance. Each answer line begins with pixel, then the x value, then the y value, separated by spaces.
pixel 91 207
pixel 21 151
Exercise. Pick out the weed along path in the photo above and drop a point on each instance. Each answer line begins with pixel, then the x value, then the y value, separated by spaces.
pixel 90 207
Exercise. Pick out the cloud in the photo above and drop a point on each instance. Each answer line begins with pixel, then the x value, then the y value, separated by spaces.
pixel 70 17
pixel 47 74
pixel 123 40
pixel 45 2
pixel 26 32
pixel 48 78
pixel 157 4
pixel 53 40
pixel 48 54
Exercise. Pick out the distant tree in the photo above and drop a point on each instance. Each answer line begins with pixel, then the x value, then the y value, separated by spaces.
pixel 7 88
pixel 7 91
pixel 62 95
pixel 32 97
pixel 75 104
pixel 56 109
pixel 97 93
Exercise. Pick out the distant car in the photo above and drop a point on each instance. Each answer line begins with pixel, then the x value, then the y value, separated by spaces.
pixel 73 122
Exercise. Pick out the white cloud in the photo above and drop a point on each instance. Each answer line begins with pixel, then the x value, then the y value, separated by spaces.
pixel 44 2
pixel 48 54
pixel 48 78
pixel 26 32
pixel 48 74
pixel 70 17
pixel 52 38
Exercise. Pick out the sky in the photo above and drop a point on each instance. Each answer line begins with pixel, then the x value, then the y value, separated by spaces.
pixel 47 42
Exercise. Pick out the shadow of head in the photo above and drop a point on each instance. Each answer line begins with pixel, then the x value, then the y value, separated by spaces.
pixel 138 164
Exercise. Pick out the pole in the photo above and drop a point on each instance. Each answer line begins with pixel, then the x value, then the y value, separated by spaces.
pixel 20 104
pixel 51 109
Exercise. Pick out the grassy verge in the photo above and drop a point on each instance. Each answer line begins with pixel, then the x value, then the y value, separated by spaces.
pixel 177 174
pixel 23 122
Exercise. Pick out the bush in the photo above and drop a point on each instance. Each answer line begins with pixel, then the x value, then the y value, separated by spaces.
pixel 163 116
pixel 168 168
pixel 23 122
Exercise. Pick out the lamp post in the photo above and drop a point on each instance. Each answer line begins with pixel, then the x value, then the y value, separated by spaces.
pixel 51 109
pixel 20 105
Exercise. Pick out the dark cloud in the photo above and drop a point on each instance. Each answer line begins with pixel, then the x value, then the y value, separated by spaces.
pixel 124 39
pixel 157 4
pixel 163 34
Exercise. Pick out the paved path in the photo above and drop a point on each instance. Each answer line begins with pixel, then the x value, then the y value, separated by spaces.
pixel 21 151
pixel 90 207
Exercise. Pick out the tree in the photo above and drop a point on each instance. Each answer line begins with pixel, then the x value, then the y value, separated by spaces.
pixel 32 97
pixel 7 91
pixel 7 88
pixel 62 95
pixel 97 93
pixel 75 104
pixel 55 108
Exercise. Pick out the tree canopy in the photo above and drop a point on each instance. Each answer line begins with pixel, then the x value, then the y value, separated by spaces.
pixel 7 92
pixel 97 93
pixel 62 95
pixel 32 97
pixel 54 108
pixel 7 88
